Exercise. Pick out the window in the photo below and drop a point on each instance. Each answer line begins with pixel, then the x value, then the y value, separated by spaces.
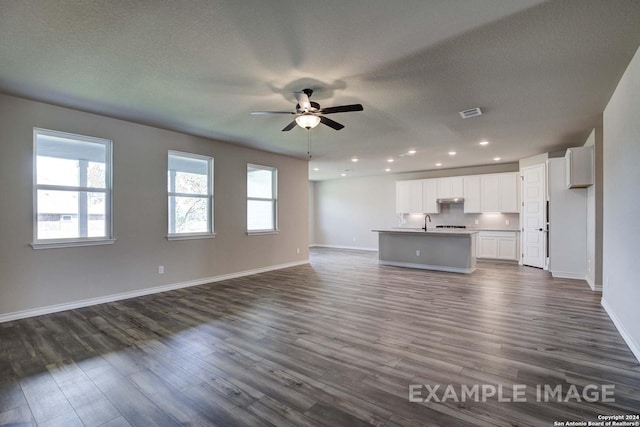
pixel 190 190
pixel 72 190
pixel 262 199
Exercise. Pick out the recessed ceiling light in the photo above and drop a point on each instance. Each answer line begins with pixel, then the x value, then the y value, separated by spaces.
pixel 316 169
pixel 438 164
pixel 496 158
pixel 452 153
pixel 390 160
pixel 343 174
pixel 387 170
pixel 411 152
pixel 484 142
pixel 354 159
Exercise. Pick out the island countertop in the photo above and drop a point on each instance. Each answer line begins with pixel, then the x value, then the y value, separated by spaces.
pixel 430 231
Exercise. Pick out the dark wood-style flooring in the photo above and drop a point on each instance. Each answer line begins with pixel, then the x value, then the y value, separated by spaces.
pixel 334 343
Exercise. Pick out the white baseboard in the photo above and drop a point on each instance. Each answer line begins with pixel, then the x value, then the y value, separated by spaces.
pixel 594 286
pixel 138 293
pixel 353 248
pixel 568 275
pixel 633 346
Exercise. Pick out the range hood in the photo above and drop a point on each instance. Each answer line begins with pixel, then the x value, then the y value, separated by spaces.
pixel 451 200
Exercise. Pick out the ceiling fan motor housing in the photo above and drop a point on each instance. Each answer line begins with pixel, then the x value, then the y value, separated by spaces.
pixel 312 115
pixel 314 106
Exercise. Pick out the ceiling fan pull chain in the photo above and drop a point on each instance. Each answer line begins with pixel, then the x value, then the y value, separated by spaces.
pixel 309 143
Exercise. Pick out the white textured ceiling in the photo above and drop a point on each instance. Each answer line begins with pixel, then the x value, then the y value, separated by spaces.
pixel 542 72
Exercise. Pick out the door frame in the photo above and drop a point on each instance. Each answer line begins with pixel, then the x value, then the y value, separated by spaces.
pixel 545 221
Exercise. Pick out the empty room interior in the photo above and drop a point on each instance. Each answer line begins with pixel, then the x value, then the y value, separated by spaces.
pixel 319 213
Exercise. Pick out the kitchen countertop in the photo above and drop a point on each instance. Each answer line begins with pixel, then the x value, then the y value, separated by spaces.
pixel 430 231
pixel 493 229
pixel 468 228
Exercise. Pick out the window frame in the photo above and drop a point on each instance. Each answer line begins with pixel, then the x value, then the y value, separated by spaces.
pixel 210 233
pixel 108 239
pixel 273 199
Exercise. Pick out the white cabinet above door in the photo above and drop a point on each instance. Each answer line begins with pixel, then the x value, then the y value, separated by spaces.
pixel 579 167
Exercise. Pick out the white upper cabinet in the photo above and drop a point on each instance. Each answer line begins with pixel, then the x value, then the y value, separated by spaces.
pixel 509 184
pixel 490 200
pixel 579 167
pixel 472 194
pixel 499 192
pixel 496 192
pixel 417 196
pixel 450 187
pixel 429 196
pixel 409 196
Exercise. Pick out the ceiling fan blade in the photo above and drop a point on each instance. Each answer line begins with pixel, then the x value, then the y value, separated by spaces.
pixel 342 109
pixel 330 123
pixel 272 112
pixel 303 100
pixel 289 126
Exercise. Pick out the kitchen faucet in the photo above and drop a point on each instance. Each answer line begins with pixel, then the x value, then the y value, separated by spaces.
pixel 425 221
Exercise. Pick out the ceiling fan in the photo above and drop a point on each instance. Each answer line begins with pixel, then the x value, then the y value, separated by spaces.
pixel 309 114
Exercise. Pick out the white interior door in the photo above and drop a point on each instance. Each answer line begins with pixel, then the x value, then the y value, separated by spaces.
pixel 534 216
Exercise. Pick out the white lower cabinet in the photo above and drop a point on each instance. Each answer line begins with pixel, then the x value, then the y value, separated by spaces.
pixel 498 245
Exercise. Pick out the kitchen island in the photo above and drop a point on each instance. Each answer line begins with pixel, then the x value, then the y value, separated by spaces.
pixel 442 250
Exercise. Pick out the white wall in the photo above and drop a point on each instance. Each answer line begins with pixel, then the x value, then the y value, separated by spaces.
pixel 621 227
pixel 594 215
pixel 312 211
pixel 534 160
pixel 567 224
pixel 347 209
pixel 32 279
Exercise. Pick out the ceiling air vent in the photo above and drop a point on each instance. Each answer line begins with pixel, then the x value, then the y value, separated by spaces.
pixel 473 112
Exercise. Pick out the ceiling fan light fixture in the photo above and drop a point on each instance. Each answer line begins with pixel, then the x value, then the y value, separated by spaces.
pixel 308 121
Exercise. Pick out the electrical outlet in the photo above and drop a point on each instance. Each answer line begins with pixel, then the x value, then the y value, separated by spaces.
pixel 297 250
pixel 161 269
pixel 477 222
pixel 506 221
pixel 418 253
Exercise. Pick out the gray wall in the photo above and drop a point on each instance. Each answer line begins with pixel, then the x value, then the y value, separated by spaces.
pixel 31 278
pixel 347 209
pixel 621 228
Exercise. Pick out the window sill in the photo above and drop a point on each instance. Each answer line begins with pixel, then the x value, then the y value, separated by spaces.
pixel 258 232
pixel 72 243
pixel 171 237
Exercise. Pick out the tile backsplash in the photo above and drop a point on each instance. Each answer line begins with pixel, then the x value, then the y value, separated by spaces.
pixel 453 214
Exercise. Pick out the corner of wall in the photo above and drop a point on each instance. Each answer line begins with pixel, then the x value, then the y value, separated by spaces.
pixel 633 345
